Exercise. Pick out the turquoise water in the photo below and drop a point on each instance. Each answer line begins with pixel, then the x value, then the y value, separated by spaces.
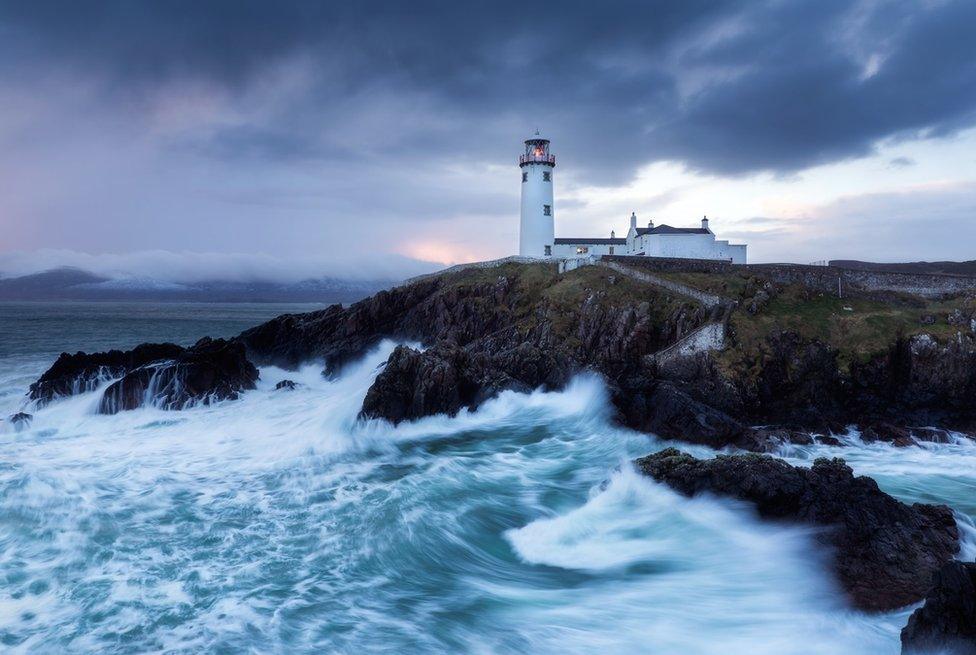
pixel 280 523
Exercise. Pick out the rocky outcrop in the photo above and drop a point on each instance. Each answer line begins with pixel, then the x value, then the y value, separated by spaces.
pixel 793 383
pixel 884 551
pixel 164 375
pixel 524 326
pixel 83 372
pixel 946 623
pixel 667 411
pixel 19 421
pixel 515 330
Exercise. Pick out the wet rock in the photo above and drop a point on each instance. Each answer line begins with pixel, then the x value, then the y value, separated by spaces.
pixel 165 375
pixel 884 552
pixel 935 435
pixel 663 409
pixel 946 623
pixel 771 438
pixel 827 440
pixel 83 372
pixel 286 385
pixel 415 384
pixel 209 371
pixel 447 378
pixel 882 431
pixel 20 420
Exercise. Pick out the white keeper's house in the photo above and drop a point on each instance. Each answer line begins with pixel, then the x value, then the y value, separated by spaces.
pixel 537 236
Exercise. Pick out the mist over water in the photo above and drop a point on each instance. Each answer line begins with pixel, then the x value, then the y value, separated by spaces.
pixel 282 523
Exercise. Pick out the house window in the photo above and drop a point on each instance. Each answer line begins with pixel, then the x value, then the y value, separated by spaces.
pixel 582 250
pixel 547 210
pixel 611 250
pixel 546 176
pixel 548 251
pixel 525 176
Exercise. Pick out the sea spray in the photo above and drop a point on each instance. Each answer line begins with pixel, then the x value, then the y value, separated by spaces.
pixel 282 522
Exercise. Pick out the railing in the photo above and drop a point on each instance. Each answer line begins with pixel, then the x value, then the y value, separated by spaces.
pixel 537 159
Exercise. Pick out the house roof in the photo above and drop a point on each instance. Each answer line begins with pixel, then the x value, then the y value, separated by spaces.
pixel 667 229
pixel 591 242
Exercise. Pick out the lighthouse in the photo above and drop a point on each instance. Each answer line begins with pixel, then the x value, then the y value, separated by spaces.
pixel 536 227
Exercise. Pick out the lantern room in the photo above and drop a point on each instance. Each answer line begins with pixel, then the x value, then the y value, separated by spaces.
pixel 537 152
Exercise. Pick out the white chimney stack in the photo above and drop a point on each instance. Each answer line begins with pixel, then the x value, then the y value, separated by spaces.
pixel 705 223
pixel 633 220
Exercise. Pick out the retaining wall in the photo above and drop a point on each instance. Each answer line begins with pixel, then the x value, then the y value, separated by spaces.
pixel 826 279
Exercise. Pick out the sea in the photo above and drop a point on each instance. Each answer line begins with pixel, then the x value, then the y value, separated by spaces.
pixel 282 523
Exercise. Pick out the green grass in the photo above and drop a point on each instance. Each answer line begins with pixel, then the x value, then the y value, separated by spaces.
pixel 858 328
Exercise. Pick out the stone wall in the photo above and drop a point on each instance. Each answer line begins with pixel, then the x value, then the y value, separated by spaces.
pixel 710 336
pixel 826 279
pixel 706 299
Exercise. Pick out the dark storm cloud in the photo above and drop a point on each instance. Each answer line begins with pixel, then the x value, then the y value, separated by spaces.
pixel 290 127
pixel 723 87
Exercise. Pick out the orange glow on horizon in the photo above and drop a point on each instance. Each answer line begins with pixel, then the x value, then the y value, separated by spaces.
pixel 440 252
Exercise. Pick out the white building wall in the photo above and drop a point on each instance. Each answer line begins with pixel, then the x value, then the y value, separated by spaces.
pixel 536 229
pixel 571 250
pixel 686 246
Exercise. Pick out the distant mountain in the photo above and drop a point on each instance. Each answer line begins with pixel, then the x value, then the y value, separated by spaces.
pixel 76 284
pixel 945 268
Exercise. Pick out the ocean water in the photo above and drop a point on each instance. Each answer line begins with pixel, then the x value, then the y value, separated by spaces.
pixel 280 523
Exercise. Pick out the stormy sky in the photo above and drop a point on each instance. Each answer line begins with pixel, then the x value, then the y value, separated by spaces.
pixel 229 137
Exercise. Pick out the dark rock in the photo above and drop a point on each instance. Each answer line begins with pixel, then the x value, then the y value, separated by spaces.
pixel 166 375
pixel 288 385
pixel 771 438
pixel 447 378
pixel 20 420
pixel 946 623
pixel 209 371
pixel 884 431
pixel 83 372
pixel 415 384
pixel 665 410
pixel 927 319
pixel 935 435
pixel 884 551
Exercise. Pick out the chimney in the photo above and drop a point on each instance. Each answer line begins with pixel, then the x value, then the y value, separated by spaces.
pixel 633 220
pixel 705 223
pixel 613 235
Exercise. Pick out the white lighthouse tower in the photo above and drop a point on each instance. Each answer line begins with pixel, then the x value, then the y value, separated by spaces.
pixel 536 227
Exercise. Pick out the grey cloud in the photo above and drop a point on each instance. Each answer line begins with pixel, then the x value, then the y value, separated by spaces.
pixel 779 91
pixel 244 124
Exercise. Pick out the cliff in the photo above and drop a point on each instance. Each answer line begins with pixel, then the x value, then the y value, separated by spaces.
pixel 693 351
pixel 794 356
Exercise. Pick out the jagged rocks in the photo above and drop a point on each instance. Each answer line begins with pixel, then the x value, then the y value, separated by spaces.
pixel 447 378
pixel 286 385
pixel 164 375
pixel 884 551
pixel 209 371
pixel 20 421
pixel 83 372
pixel 946 623
pixel 668 412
